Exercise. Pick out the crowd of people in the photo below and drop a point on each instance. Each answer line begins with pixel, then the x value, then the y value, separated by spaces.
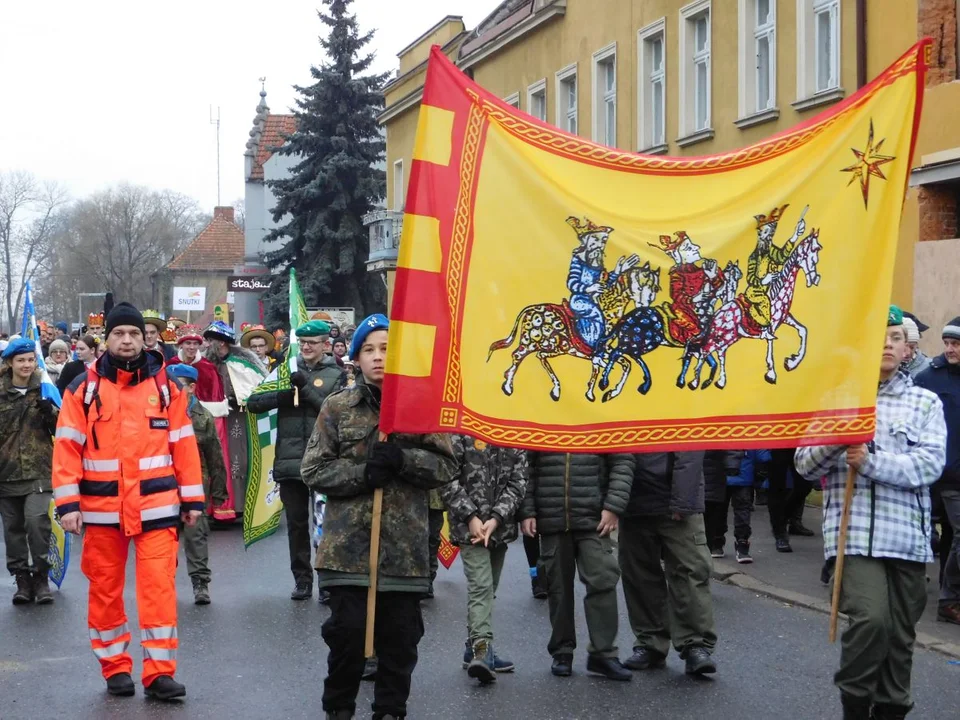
pixel 145 446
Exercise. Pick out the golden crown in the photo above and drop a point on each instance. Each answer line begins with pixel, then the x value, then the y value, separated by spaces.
pixel 95 320
pixel 587 227
pixel 772 219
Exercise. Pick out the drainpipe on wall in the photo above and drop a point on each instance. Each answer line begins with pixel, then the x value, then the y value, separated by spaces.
pixel 861 19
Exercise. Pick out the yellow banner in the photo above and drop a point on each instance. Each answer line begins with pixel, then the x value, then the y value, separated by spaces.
pixel 557 294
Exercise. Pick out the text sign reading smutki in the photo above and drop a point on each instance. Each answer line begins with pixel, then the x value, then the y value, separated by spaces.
pixel 189 298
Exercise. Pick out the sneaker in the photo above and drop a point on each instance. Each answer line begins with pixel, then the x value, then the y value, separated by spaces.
pixel 562 665
pixel 165 688
pixel 699 661
pixel 120 685
pixel 743 552
pixel 41 589
pixel 538 586
pixel 798 528
pixel 303 591
pixel 610 668
pixel 717 552
pixel 783 544
pixel 481 667
pixel 949 613
pixel 645 659
pixel 201 593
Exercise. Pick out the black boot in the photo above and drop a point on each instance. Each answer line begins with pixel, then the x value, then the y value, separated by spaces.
pixel 699 661
pixel 120 685
pixel 855 708
pixel 882 711
pixel 303 590
pixel 610 668
pixel 24 593
pixel 165 688
pixel 41 588
pixel 645 659
pixel 538 585
pixel 562 665
pixel 783 544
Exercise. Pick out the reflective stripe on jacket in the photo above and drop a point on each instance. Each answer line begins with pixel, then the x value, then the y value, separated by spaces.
pixel 128 458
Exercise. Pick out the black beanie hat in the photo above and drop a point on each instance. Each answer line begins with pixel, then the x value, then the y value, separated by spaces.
pixel 125 314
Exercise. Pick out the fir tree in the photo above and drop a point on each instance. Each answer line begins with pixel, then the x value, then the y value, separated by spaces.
pixel 335 183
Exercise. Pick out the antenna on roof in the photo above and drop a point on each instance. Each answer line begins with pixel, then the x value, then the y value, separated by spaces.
pixel 216 121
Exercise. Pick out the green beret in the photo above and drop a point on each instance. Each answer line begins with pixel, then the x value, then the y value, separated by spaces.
pixel 314 328
pixel 895 316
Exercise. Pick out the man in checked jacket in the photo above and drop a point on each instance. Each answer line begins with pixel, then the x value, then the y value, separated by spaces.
pixel 884 584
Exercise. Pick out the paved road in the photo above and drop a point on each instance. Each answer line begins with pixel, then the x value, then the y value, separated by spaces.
pixel 256 654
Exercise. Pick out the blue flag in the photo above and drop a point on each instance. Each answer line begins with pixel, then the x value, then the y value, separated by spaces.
pixel 59 554
pixel 30 331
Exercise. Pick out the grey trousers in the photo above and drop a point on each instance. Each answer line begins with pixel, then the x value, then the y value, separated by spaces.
pixel 194 541
pixel 950 587
pixel 669 600
pixel 26 531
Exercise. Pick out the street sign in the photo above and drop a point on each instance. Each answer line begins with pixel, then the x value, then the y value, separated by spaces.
pixel 250 283
pixel 230 298
pixel 221 312
pixel 190 298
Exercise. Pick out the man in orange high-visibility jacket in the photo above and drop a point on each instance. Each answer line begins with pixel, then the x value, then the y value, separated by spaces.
pixel 126 465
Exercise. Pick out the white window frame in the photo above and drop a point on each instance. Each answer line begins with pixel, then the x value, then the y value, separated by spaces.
pixel 646 75
pixel 399 198
pixel 749 72
pixel 807 56
pixel 564 113
pixel 601 97
pixel 689 59
pixel 539 88
pixel 513 100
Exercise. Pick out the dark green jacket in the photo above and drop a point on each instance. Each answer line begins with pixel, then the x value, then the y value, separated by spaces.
pixel 211 454
pixel 26 438
pixel 491 483
pixel 295 424
pixel 335 463
pixel 567 492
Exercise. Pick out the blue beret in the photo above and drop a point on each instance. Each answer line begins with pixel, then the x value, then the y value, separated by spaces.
pixel 19 347
pixel 369 325
pixel 182 370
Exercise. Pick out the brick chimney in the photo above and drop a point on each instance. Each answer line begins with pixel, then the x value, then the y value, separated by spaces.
pixel 223 211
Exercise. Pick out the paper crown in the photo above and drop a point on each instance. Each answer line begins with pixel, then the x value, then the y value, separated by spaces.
pixel 155 318
pixel 95 320
pixel 587 227
pixel 189 332
pixel 169 335
pixel 175 322
pixel 669 244
pixel 772 219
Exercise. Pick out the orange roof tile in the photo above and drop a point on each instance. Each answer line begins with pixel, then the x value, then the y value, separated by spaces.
pixel 219 246
pixel 275 132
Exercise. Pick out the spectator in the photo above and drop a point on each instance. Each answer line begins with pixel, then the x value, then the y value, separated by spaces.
pixel 57 360
pixel 739 492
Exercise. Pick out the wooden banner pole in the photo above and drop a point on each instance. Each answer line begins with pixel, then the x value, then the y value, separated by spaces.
pixel 841 551
pixel 374 566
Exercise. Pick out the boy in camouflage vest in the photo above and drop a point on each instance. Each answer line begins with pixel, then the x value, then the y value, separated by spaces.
pixel 346 461
pixel 483 500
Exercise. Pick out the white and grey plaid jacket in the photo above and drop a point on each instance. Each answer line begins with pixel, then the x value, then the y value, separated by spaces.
pixel 890 515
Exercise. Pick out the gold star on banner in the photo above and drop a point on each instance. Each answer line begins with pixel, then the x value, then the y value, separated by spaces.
pixel 868 163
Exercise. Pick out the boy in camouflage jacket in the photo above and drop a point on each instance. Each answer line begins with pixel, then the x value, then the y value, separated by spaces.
pixel 194 538
pixel 346 461
pixel 483 500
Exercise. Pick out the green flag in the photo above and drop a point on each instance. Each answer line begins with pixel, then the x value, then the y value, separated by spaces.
pixel 262 506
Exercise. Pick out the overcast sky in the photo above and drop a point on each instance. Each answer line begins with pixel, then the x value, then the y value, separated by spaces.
pixel 98 92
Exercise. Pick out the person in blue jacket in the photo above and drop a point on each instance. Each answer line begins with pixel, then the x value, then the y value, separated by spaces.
pixel 739 493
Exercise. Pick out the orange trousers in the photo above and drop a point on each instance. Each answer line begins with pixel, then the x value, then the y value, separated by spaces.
pixel 104 563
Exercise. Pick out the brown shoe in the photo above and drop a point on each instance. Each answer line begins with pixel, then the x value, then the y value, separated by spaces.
pixel 949 613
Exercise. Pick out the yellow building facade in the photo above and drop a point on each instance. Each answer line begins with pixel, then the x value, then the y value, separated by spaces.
pixel 695 78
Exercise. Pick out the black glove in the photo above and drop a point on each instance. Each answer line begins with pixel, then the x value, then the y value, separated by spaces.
pixel 387 456
pixel 47 408
pixel 376 476
pixel 298 379
pixel 285 398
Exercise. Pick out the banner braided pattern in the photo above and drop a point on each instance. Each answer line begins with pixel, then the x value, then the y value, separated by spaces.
pixel 691 434
pixel 585 150
pixel 458 245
